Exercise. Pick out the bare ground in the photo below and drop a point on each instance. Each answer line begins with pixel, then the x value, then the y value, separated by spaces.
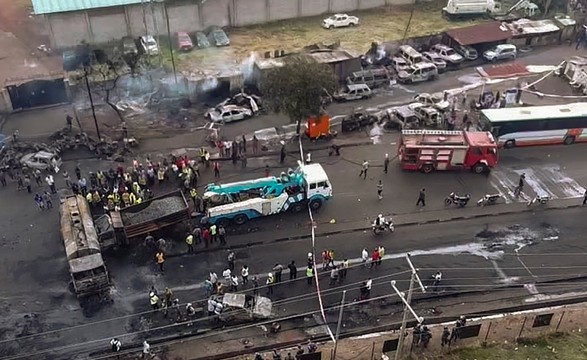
pixel 379 25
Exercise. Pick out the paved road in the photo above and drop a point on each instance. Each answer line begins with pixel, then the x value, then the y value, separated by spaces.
pixel 520 249
pixel 33 253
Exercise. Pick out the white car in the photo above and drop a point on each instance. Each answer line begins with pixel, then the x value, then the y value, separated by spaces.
pixel 433 100
pixel 150 45
pixel 449 55
pixel 228 113
pixel 42 160
pixel 340 20
pixel 434 58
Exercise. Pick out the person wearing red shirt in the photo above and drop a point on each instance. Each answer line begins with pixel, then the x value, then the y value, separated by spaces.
pixel 375 257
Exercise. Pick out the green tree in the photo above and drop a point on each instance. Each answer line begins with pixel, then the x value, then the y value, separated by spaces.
pixel 298 87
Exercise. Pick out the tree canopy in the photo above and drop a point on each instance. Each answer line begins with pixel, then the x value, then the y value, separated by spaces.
pixel 297 88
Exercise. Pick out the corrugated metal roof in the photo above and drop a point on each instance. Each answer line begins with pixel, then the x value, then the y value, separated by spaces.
pixel 503 71
pixel 479 34
pixel 332 56
pixel 57 6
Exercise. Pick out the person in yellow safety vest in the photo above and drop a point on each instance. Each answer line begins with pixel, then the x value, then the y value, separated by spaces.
pixel 202 155
pixel 127 178
pixel 101 177
pixel 194 195
pixel 89 198
pixel 139 200
pixel 189 240
pixel 110 205
pixel 161 175
pixel 132 198
pixel 270 281
pixel 116 199
pixel 96 197
pixel 154 300
pixel 136 187
pixel 110 197
pixel 126 199
pixel 309 274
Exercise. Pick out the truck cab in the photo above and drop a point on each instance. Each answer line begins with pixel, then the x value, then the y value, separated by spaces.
pixel 317 184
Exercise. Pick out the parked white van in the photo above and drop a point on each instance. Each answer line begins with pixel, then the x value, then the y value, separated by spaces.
pixel 410 54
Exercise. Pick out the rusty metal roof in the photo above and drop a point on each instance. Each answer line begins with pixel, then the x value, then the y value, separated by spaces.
pixel 502 71
pixel 478 34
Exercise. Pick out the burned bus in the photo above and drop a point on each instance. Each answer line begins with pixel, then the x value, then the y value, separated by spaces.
pixel 86 266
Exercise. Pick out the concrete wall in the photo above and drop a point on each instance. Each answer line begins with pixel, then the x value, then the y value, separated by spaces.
pixel 104 25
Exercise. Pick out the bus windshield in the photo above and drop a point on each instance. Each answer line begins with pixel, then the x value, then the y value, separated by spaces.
pixel 537 125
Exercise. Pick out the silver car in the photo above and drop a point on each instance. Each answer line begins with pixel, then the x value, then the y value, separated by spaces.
pixel 434 58
pixel 228 113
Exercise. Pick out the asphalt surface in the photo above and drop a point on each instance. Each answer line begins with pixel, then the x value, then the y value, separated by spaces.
pixel 38 299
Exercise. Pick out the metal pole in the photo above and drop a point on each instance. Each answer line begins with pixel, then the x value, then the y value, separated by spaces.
pixel 338 326
pixel 402 329
pixel 92 105
pixel 170 42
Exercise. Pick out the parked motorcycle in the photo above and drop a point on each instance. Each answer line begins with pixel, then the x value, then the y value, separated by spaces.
pixel 540 199
pixel 489 199
pixel 458 200
pixel 384 225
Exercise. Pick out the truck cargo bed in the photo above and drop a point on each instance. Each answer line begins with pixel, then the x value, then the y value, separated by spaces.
pixel 154 214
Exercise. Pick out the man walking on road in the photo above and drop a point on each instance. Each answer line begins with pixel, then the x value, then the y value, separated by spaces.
pixel 189 240
pixel 364 168
pixel 160 260
pixel 386 163
pixel 380 190
pixel 231 258
pixel 421 198
pixel 278 269
pixel 309 274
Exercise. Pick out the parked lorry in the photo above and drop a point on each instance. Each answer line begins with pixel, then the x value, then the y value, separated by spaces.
pixel 86 266
pixel 457 9
pixel 428 150
pixel 241 201
pixel 119 227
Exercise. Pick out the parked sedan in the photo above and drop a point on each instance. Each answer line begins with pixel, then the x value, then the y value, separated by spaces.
pixel 184 42
pixel 201 40
pixel 218 37
pixel 150 45
pixel 434 58
pixel 228 113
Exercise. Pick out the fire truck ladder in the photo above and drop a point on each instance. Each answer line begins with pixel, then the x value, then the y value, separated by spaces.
pixel 446 133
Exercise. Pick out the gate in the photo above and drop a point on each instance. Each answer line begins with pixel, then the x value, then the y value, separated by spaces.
pixel 37 93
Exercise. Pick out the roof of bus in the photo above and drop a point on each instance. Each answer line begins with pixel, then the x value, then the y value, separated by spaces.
pixel 314 173
pixel 535 112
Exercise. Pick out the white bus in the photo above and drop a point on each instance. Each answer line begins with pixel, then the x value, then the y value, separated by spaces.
pixel 537 125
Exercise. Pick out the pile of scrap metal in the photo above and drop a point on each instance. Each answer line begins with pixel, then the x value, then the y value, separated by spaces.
pixel 251 102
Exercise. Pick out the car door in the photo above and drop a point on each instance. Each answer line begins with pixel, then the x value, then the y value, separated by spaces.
pixel 237 115
pixel 226 116
pixel 342 21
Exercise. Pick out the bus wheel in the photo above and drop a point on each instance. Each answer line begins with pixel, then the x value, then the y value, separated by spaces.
pixel 240 219
pixel 222 222
pixel 569 140
pixel 479 168
pixel 510 144
pixel 315 204
pixel 297 207
pixel 427 168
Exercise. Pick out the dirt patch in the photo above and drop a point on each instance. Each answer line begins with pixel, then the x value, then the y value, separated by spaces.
pixel 380 25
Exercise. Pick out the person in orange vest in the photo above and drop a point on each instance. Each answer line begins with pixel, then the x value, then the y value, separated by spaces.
pixel 160 258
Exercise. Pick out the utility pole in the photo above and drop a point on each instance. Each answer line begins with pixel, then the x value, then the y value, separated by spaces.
pixel 414 277
pixel 338 326
pixel 86 74
pixel 170 42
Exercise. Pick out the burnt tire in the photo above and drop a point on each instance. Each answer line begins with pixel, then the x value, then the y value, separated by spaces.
pixel 240 219
pixel 569 140
pixel 510 144
pixel 315 204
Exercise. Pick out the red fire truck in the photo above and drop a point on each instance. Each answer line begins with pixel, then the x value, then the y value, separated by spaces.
pixel 428 150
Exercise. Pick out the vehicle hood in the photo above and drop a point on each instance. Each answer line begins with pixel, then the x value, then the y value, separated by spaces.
pixel 213 114
pixel 490 53
pixel 403 74
pixel 455 58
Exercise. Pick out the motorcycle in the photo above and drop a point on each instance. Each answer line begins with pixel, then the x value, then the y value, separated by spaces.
pixel 386 225
pixel 455 199
pixel 540 199
pixel 488 199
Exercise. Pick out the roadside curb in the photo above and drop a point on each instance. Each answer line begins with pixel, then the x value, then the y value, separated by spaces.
pixel 368 228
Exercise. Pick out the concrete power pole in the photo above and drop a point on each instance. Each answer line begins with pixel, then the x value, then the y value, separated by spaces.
pixel 407 308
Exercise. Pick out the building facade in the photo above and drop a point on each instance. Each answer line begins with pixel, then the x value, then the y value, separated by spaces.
pixel 70 22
